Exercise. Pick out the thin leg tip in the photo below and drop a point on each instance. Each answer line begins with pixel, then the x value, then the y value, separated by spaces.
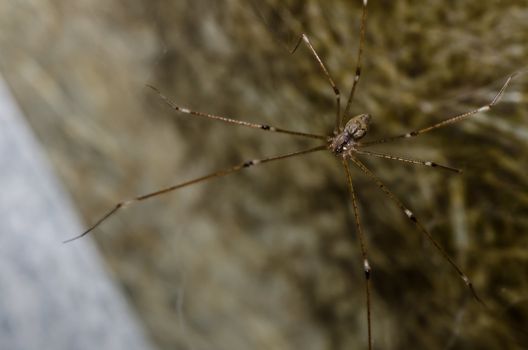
pixel 72 239
pixel 152 87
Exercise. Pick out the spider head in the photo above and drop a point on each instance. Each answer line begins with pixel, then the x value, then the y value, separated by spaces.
pixel 354 130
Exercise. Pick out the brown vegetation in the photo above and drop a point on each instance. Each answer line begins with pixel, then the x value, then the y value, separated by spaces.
pixel 268 259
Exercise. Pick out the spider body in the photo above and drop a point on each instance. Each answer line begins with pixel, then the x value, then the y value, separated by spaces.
pixel 345 141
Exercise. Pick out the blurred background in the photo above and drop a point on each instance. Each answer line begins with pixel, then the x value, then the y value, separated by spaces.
pixel 268 258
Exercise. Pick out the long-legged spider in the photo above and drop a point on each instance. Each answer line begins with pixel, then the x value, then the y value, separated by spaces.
pixel 345 144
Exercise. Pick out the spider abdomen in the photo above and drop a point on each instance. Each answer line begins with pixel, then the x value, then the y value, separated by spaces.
pixel 354 130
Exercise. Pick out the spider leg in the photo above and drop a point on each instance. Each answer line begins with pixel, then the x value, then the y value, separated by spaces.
pixel 409 214
pixel 408 160
pixel 445 122
pixel 339 124
pixel 210 176
pixel 264 127
pixel 304 38
pixel 364 251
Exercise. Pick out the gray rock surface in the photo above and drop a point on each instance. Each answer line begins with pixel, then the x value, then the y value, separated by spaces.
pixel 53 295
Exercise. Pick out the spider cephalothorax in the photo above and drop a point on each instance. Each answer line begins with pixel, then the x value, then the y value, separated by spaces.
pixel 353 131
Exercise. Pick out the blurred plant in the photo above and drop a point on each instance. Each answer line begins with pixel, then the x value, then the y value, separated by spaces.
pixel 268 259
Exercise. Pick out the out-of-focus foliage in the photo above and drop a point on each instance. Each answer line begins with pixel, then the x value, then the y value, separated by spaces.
pixel 268 259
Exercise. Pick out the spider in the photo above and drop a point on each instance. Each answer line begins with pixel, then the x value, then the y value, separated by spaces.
pixel 346 143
